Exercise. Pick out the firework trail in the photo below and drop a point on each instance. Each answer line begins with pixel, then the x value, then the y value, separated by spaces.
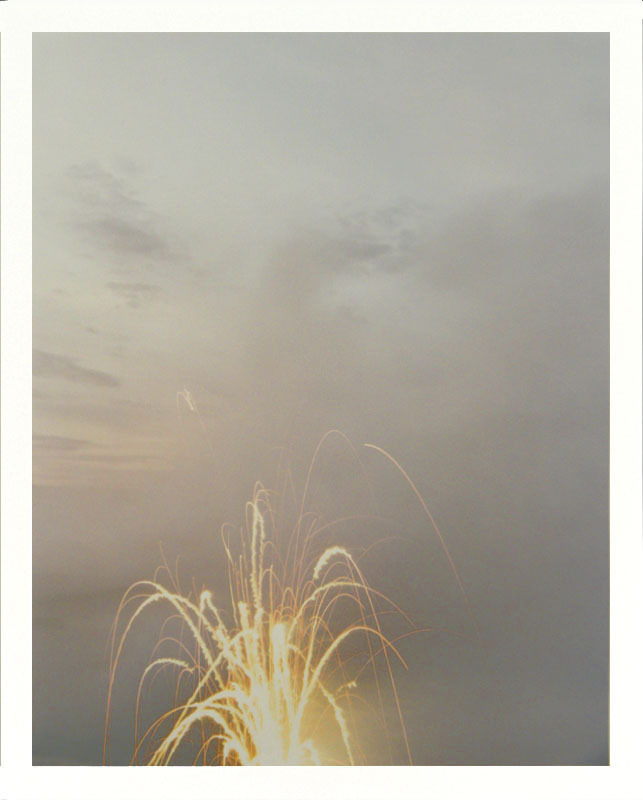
pixel 273 676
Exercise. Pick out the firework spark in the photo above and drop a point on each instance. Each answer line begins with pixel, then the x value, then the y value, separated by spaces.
pixel 273 677
pixel 277 682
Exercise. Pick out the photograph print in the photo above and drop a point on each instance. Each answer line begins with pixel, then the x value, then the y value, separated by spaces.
pixel 320 399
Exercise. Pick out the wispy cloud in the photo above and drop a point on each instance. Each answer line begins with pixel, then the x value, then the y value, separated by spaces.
pixel 51 365
pixel 117 415
pixel 112 218
pixel 134 293
pixel 126 237
pixel 64 444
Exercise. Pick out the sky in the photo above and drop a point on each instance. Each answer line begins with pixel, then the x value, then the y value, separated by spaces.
pixel 403 237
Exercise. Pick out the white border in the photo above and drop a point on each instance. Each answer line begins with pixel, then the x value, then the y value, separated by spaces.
pixel 622 18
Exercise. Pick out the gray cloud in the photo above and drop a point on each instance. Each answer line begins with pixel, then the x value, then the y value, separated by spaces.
pixel 64 444
pixel 134 293
pixel 390 232
pixel 83 451
pixel 344 254
pixel 125 238
pixel 51 365
pixel 115 221
pixel 99 188
pixel 119 415
pixel 115 458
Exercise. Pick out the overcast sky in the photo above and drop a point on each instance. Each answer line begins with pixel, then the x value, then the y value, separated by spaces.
pixel 401 236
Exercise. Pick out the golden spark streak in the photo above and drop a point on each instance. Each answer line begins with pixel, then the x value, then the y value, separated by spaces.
pixel 263 685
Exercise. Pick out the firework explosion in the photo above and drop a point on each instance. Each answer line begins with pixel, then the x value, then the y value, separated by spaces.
pixel 272 678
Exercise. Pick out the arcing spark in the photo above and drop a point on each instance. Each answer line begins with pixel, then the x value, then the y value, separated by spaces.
pixel 274 686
